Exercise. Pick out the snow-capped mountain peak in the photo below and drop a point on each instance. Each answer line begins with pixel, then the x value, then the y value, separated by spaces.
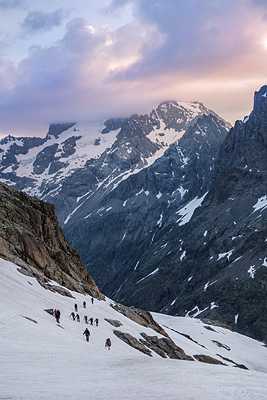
pixel 116 148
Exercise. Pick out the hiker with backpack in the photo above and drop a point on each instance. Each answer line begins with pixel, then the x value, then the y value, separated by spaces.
pixel 85 319
pixel 108 343
pixel 57 315
pixel 72 315
pixel 91 321
pixel 96 321
pixel 87 334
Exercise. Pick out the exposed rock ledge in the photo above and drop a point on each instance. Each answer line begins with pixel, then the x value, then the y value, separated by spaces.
pixel 113 322
pixel 31 238
pixel 142 317
pixel 165 347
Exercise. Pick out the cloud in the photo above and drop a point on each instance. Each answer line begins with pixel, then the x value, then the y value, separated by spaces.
pixel 193 37
pixel 187 50
pixel 70 80
pixel 39 21
pixel 200 44
pixel 9 4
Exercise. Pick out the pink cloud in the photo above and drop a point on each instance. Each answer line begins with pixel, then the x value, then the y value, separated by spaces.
pixel 210 51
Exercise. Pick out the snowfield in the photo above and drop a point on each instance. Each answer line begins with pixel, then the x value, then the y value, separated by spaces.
pixel 40 360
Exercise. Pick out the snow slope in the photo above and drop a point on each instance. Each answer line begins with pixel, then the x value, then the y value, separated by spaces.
pixel 45 361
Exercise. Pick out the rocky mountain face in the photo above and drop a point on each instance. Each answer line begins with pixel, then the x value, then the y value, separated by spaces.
pixel 168 209
pixel 31 238
pixel 208 258
pixel 119 228
pixel 75 162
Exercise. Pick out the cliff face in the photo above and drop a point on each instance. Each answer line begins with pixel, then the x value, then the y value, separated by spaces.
pixel 211 262
pixel 31 237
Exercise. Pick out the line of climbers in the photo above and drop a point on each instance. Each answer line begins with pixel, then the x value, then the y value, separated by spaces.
pixel 77 317
pixel 87 335
pixel 84 304
pixel 56 313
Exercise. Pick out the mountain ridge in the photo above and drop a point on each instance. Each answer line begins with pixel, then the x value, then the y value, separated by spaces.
pixel 219 269
pixel 170 217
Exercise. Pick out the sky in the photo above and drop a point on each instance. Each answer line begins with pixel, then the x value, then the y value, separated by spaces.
pixel 87 60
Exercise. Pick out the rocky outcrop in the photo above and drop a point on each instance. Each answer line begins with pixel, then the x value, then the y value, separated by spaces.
pixel 29 319
pixel 133 342
pixel 186 336
pixel 207 359
pixel 31 237
pixel 165 347
pixel 241 366
pixel 142 317
pixel 113 322
pixel 216 323
pixel 224 346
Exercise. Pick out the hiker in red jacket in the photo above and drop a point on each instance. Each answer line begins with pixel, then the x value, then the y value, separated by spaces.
pixel 72 315
pixel 57 315
pixel 108 343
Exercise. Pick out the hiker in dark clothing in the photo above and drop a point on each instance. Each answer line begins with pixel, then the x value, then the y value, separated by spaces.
pixel 75 307
pixel 72 315
pixel 57 315
pixel 85 319
pixel 91 321
pixel 92 300
pixel 87 334
pixel 84 304
pixel 96 321
pixel 78 317
pixel 108 343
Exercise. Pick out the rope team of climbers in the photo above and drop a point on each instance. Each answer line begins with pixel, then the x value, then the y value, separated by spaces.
pixel 76 317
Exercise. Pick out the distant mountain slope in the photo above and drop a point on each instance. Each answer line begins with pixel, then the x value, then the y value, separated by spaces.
pixel 76 161
pixel 114 231
pixel 212 261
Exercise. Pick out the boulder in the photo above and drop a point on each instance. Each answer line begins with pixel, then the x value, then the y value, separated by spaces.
pixel 133 342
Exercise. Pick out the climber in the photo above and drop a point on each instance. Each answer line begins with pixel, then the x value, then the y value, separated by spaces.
pixel 92 300
pixel 85 319
pixel 75 307
pixel 91 321
pixel 108 343
pixel 84 304
pixel 96 321
pixel 78 317
pixel 72 315
pixel 57 315
pixel 87 334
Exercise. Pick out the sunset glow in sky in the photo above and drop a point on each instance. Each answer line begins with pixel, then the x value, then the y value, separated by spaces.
pixel 66 60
